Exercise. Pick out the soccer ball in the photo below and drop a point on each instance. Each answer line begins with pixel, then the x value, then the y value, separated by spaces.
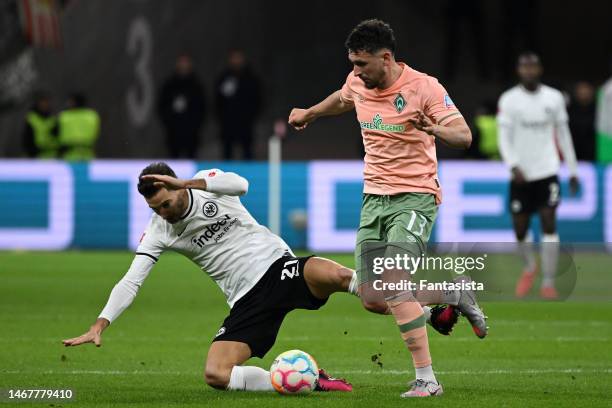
pixel 294 372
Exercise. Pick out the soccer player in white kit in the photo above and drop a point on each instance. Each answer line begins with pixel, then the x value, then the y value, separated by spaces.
pixel 532 122
pixel 204 220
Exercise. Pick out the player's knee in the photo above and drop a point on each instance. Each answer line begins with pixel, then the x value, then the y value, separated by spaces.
pixel 343 277
pixel 217 377
pixel 375 306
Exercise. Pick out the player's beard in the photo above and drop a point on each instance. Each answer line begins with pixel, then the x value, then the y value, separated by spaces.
pixel 371 83
pixel 181 208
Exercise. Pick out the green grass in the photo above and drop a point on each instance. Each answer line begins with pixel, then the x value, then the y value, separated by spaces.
pixel 537 354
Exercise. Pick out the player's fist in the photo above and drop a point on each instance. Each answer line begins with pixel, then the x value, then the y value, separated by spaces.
pixel 300 118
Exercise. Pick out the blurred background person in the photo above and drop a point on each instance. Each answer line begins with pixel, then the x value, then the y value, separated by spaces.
pixel 40 130
pixel 604 122
pixel 182 109
pixel 581 113
pixel 532 125
pixel 78 129
pixel 237 104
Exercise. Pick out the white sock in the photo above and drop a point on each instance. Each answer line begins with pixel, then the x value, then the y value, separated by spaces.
pixel 525 249
pixel 426 373
pixel 249 378
pixel 550 255
pixel 427 313
pixel 353 285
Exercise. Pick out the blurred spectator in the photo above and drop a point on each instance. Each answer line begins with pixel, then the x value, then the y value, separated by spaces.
pixel 39 133
pixel 238 102
pixel 582 120
pixel 468 15
pixel 604 122
pixel 485 136
pixel 78 129
pixel 182 109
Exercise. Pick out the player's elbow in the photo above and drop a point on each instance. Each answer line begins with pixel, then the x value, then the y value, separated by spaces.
pixel 466 138
pixel 244 187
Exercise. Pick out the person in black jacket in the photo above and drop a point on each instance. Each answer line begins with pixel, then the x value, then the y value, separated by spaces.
pixel 182 108
pixel 237 105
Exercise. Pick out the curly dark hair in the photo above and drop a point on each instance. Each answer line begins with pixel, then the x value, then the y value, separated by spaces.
pixel 371 36
pixel 147 187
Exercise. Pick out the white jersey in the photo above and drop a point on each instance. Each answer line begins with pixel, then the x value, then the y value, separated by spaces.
pixel 529 123
pixel 217 233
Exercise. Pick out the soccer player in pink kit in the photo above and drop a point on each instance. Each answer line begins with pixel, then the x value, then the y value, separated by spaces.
pixel 401 112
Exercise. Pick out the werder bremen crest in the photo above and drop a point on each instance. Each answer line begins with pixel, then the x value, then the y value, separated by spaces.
pixel 399 103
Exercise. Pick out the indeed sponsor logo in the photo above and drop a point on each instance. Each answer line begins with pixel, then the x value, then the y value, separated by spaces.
pixel 210 232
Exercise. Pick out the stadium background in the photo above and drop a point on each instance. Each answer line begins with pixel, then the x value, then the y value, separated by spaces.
pixel 67 229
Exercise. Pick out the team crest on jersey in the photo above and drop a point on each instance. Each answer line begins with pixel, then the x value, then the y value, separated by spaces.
pixel 399 102
pixel 210 209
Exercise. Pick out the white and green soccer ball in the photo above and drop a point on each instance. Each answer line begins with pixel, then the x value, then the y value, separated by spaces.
pixel 294 372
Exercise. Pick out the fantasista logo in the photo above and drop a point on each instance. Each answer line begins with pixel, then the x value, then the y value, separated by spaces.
pixel 377 123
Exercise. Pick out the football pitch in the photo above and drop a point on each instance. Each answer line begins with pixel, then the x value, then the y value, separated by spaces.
pixel 537 354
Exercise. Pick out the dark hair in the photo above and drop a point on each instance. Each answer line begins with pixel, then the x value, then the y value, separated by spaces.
pixel 147 187
pixel 371 36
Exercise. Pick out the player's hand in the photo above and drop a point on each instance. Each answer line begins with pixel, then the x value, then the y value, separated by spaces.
pixel 300 118
pixel 517 176
pixel 169 182
pixel 574 185
pixel 93 335
pixel 423 123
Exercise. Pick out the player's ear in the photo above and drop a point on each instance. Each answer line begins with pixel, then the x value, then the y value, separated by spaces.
pixel 387 57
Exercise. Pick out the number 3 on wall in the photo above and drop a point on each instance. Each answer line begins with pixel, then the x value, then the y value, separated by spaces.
pixel 139 97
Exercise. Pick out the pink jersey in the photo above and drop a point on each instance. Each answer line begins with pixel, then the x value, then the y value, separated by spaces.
pixel 399 158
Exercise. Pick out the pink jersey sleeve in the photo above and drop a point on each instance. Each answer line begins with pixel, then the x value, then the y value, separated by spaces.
pixel 346 93
pixel 437 104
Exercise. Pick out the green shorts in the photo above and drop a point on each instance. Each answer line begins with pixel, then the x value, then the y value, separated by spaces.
pixel 404 220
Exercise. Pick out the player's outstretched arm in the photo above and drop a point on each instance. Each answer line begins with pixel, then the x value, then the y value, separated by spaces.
pixel 93 335
pixel 456 134
pixel 332 105
pixel 218 183
pixel 121 297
